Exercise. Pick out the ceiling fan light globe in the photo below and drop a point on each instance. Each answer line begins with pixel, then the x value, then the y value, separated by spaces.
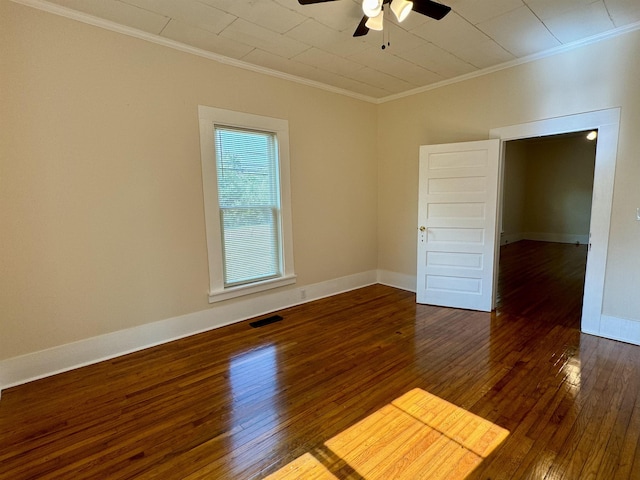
pixel 371 8
pixel 375 23
pixel 401 9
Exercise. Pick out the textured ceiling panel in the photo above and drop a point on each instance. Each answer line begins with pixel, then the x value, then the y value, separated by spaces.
pixel 315 42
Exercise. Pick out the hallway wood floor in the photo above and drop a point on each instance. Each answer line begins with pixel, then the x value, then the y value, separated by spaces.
pixel 241 403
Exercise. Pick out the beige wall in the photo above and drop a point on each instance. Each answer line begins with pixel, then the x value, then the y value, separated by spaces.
pixel 514 190
pixel 598 76
pixel 559 186
pixel 101 215
pixel 101 209
pixel 548 186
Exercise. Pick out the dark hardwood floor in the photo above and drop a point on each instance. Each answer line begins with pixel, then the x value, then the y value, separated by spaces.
pixel 240 403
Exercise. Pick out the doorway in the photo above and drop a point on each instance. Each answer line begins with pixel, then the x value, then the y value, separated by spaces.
pixel 545 224
pixel 606 122
pixel 472 221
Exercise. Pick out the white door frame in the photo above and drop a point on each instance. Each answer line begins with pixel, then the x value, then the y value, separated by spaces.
pixel 607 123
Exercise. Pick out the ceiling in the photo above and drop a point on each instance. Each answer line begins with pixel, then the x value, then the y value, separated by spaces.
pixel 315 42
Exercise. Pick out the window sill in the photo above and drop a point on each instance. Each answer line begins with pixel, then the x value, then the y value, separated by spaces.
pixel 233 292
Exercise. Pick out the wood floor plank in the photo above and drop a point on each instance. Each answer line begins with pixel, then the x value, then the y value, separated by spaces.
pixel 242 403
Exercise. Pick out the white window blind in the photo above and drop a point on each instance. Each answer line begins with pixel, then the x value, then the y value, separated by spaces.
pixel 249 203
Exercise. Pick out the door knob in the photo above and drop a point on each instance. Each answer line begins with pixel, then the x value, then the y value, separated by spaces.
pixel 422 228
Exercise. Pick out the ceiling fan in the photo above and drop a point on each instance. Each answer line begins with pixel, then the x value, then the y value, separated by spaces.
pixel 374 11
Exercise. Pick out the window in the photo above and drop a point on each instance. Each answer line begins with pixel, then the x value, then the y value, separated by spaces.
pixel 245 171
pixel 249 204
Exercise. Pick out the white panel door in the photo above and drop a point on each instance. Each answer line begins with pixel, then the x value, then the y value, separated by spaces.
pixel 457 224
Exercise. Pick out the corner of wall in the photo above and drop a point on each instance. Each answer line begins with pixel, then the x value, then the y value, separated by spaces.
pixel 397 280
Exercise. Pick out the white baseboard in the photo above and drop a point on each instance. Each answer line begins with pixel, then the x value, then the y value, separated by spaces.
pixel 545 237
pixel 557 237
pixel 25 368
pixel 397 280
pixel 615 328
pixel 510 238
pixel 32 366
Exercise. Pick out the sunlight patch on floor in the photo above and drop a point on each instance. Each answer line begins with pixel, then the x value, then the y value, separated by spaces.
pixel 416 436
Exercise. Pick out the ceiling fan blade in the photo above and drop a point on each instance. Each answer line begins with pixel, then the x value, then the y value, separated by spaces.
pixel 361 29
pixel 310 2
pixel 431 9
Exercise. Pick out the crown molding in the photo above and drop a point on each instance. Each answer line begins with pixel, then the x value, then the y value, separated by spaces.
pixel 149 37
pixel 518 61
pixel 166 42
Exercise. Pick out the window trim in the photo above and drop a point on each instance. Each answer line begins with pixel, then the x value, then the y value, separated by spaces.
pixel 208 118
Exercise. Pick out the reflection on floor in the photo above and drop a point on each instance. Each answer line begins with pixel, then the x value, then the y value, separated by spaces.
pixel 240 403
pixel 534 276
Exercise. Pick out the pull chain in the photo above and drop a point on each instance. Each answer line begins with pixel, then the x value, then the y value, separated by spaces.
pixel 388 43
